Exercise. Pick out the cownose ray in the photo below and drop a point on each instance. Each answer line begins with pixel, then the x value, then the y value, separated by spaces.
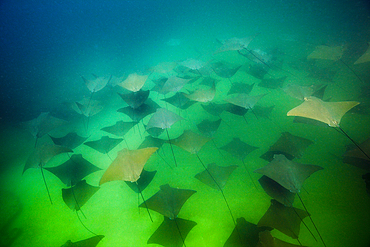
pixel 104 145
pixel 168 201
pixel 164 119
pixel 134 82
pixel 263 111
pixel 236 110
pixel 291 146
pixel 191 142
pixel 224 69
pixel 240 87
pixel 127 166
pixel 76 196
pixel 267 240
pixel 151 141
pixel 43 124
pixel 135 99
pixel 73 170
pixel 365 57
pixel 214 109
pixel 41 155
pixel 284 219
pixel 202 95
pixel 216 177
pixel 89 242
pixel 299 91
pixel 71 140
pixel 142 111
pixel 88 109
pixel 244 234
pixel 120 128
pixel 163 68
pixel 235 44
pixel 240 150
pixel 276 191
pixel 194 64
pixel 173 84
pixel 244 100
pixel 291 176
pixel 209 129
pixel 327 112
pixel 357 158
pixel 180 101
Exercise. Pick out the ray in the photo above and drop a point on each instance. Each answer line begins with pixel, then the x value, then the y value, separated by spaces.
pixel 134 82
pixel 151 141
pixel 214 109
pixel 89 242
pixel 135 99
pixel 257 70
pixel 355 157
pixel 285 219
pixel 43 124
pixel 290 145
pixel 209 129
pixel 244 100
pixel 249 233
pixel 324 52
pixel 40 156
pixel 172 233
pixel 164 119
pixel 224 69
pixel 144 180
pixel 127 166
pixel 193 64
pixel 273 83
pixel 190 141
pixel 235 44
pixel 119 129
pixel 71 140
pixel 76 196
pixel 236 110
pixel 202 95
pixel 142 111
pixel 298 91
pixel 180 101
pixel 263 111
pixel 240 87
pixel 276 191
pixel 97 84
pixel 173 84
pixel 88 109
pixel 364 58
pixel 267 240
pixel 240 150
pixel 104 145
pixel 290 175
pixel 73 170
pixel 327 112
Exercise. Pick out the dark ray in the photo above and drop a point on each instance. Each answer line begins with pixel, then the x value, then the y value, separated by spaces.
pixel 135 99
pixel 224 69
pixel 71 140
pixel 144 180
pixel 267 240
pixel 202 95
pixel 89 242
pixel 214 109
pixel 105 144
pixel 220 175
pixel 290 145
pixel 180 101
pixel 73 170
pixel 120 128
pixel 142 111
pixel 97 84
pixel 355 157
pixel 209 128
pixel 240 87
pixel 276 191
pixel 134 82
pixel 263 111
pixel 172 233
pixel 244 100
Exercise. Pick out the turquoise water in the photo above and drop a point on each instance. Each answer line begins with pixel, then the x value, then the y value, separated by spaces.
pixel 46 46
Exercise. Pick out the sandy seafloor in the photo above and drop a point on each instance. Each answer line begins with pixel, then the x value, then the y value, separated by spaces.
pixel 336 196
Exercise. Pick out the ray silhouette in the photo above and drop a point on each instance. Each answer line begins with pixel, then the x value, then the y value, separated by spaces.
pixel 290 145
pixel 240 87
pixel 97 84
pixel 164 119
pixel 276 191
pixel 89 242
pixel 173 84
pixel 151 141
pixel 180 101
pixel 249 233
pixel 88 109
pixel 119 129
pixel 244 100
pixel 135 99
pixel 40 156
pixel 267 240
pixel 298 91
pixel 142 111
pixel 43 124
pixel 127 166
pixel 355 157
pixel 202 95
pixel 327 112
pixel 364 58
pixel 76 196
pixel 235 44
pixel 284 219
pixel 240 150
pixel 273 83
pixel 193 64
pixel 214 109
pixel 191 142
pixel 209 129
pixel 73 170
pixel 216 177
pixel 163 68
pixel 224 69
pixel 257 70
pixel 236 110
pixel 104 145
pixel 134 82
pixel 263 111
pixel 71 140
pixel 172 233
pixel 291 176
pixel 144 180
pixel 168 201
pixel 324 52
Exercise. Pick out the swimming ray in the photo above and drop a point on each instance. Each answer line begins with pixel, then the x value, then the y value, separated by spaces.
pixel 327 112
pixel 97 84
pixel 209 129
pixel 324 52
pixel 357 158
pixel 276 191
pixel 164 119
pixel 134 82
pixel 180 101
pixel 224 69
pixel 89 242
pixel 120 128
pixel 127 166
pixel 202 95
pixel 135 99
pixel 214 109
pixel 104 145
pixel 290 145
pixel 235 44
pixel 244 100
pixel 141 112
pixel 173 84
pixel 71 140
pixel 41 155
pixel 364 58
pixel 240 87
pixel 73 170
pixel 267 240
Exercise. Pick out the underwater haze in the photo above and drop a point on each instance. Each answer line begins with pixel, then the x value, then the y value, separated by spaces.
pixel 185 123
